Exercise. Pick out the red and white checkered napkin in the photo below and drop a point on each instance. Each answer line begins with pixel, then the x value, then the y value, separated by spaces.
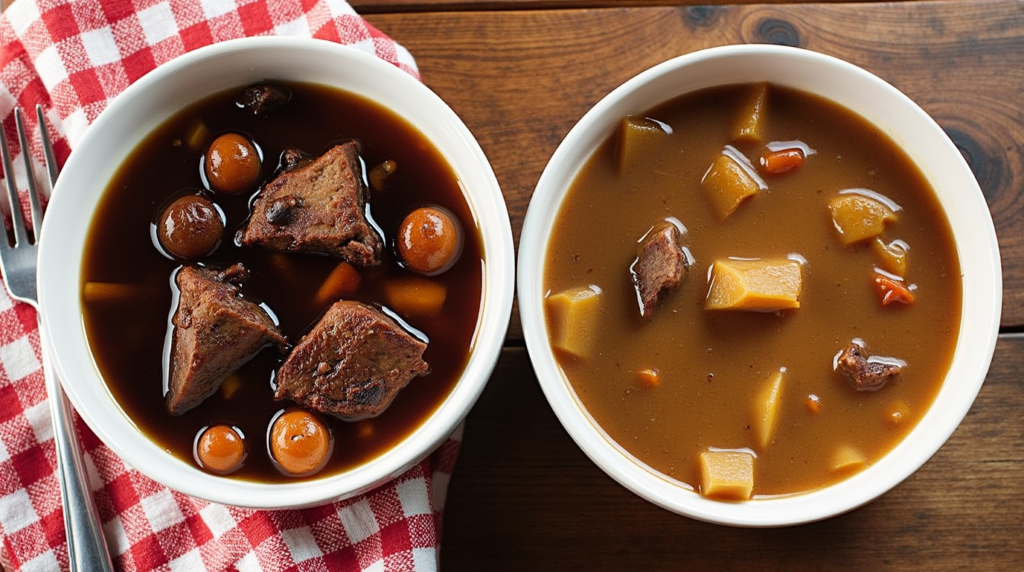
pixel 73 56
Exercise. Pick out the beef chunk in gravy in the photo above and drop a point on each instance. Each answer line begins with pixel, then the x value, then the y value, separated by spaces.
pixel 867 373
pixel 352 363
pixel 318 206
pixel 215 332
pixel 660 266
pixel 263 98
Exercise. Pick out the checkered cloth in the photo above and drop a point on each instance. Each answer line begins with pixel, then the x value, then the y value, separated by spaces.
pixel 73 56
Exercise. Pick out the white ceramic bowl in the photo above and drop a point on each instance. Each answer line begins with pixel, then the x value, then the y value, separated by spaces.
pixel 150 101
pixel 893 113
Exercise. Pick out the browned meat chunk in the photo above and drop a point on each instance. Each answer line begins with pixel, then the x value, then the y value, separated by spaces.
pixel 318 207
pixel 660 266
pixel 262 98
pixel 352 364
pixel 867 373
pixel 215 332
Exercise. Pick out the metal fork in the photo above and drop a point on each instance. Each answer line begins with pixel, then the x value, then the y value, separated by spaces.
pixel 87 548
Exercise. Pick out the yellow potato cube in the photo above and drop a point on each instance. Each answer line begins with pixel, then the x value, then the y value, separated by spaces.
pixel 571 319
pixel 761 285
pixel 749 125
pixel 892 257
pixel 726 474
pixel 766 408
pixel 637 136
pixel 847 459
pixel 727 184
pixel 859 217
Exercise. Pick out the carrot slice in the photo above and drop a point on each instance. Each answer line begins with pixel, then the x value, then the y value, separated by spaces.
pixel 342 281
pixel 892 290
pixel 648 377
pixel 781 161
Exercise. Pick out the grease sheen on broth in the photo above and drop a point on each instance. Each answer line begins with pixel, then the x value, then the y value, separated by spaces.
pixel 711 365
pixel 127 336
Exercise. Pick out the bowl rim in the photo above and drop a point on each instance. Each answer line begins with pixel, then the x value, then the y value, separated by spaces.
pixel 892 112
pixel 344 67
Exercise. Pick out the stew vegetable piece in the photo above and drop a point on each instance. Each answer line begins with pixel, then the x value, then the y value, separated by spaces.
pixel 218 252
pixel 821 300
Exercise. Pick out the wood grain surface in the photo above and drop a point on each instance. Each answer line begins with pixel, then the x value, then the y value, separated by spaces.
pixel 384 6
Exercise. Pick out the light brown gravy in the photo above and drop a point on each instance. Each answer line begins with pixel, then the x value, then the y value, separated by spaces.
pixel 712 365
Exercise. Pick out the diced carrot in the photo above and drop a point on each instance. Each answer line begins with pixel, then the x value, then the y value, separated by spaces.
pixel 813 403
pixel 99 292
pixel 892 290
pixel 230 385
pixel 413 296
pixel 781 161
pixel 648 377
pixel 898 412
pixel 365 429
pixel 342 281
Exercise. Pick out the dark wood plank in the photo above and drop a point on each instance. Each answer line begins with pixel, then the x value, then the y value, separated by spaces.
pixel 386 6
pixel 523 497
pixel 521 79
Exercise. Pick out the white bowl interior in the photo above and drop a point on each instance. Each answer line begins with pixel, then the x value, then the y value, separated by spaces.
pixel 149 102
pixel 926 144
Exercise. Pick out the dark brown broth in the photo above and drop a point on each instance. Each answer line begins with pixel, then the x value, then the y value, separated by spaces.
pixel 127 337
pixel 713 364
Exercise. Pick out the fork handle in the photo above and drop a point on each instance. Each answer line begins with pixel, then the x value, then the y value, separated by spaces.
pixel 87 547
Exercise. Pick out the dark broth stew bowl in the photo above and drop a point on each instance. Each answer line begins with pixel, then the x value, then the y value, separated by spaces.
pixel 766 387
pixel 469 307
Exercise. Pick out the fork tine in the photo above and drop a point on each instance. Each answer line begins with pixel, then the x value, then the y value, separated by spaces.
pixel 17 222
pixel 50 159
pixel 33 189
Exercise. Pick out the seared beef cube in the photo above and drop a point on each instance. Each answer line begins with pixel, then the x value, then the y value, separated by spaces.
pixel 215 332
pixel 318 207
pixel 261 99
pixel 352 364
pixel 660 266
pixel 867 373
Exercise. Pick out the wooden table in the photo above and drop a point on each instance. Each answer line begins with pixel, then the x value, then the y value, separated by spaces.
pixel 520 73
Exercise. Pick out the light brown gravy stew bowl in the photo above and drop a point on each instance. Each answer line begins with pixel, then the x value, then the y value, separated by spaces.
pixel 255 320
pixel 800 283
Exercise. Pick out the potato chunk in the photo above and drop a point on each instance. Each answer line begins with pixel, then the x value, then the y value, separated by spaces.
pixel 637 136
pixel 892 257
pixel 858 217
pixel 846 459
pixel 761 285
pixel 749 124
pixel 571 317
pixel 726 474
pixel 730 181
pixel 766 408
